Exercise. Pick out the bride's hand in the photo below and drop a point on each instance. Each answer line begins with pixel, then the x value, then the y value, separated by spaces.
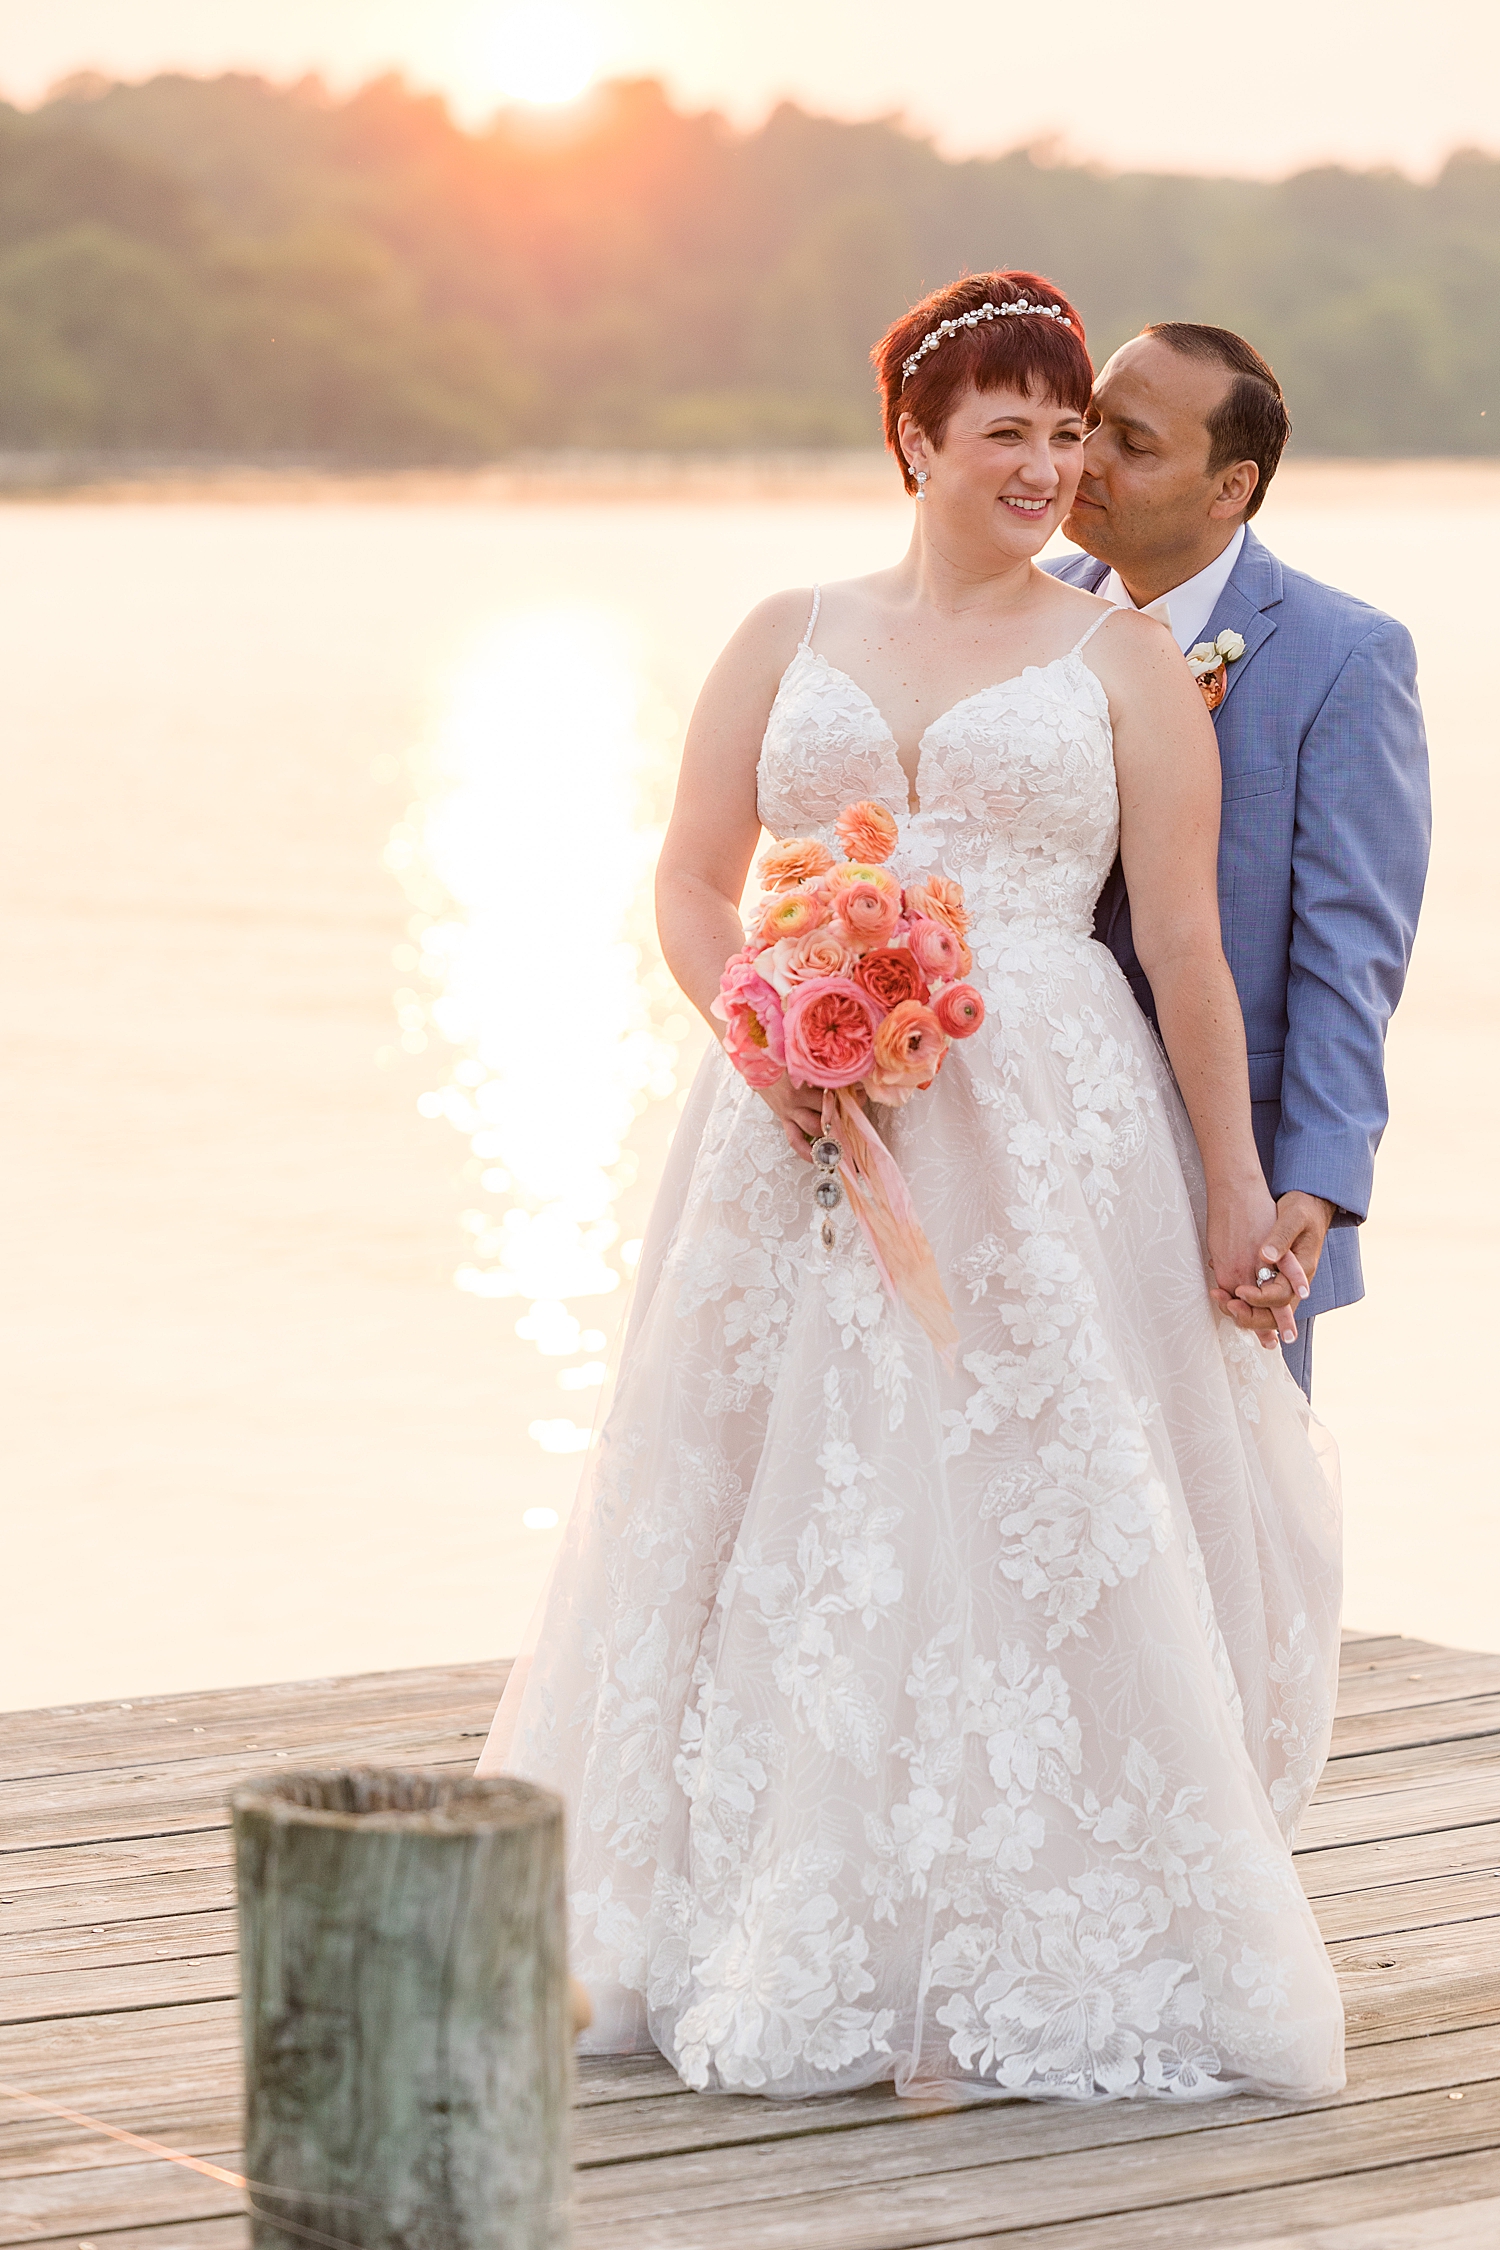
pixel 800 1109
pixel 1239 1220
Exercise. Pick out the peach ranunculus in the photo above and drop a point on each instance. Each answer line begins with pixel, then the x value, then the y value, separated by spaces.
pixel 867 831
pixel 940 901
pixel 829 1032
pixel 909 1045
pixel 935 946
pixel 867 912
pixel 891 974
pixel 959 1011
pixel 797 860
pixel 792 914
pixel 821 953
pixel 850 871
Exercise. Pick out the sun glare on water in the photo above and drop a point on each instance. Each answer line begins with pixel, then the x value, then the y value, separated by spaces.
pixel 528 857
pixel 541 52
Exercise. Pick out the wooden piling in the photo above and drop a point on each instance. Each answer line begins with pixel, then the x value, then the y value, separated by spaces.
pixel 408 2058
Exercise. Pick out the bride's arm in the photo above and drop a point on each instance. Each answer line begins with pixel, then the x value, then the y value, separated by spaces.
pixel 1167 764
pixel 714 828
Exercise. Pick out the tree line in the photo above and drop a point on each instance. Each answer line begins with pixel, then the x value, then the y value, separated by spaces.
pixel 228 267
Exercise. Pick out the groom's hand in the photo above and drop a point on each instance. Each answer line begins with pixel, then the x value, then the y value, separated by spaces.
pixel 1293 1245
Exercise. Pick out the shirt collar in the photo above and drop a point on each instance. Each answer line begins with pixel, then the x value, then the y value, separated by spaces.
pixel 1186 610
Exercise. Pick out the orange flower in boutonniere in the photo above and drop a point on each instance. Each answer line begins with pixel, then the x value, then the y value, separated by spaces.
pixel 1209 664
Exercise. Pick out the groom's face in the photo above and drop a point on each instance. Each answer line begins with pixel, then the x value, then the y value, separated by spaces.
pixel 1146 490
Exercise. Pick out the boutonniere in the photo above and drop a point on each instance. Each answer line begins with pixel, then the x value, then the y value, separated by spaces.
pixel 1209 664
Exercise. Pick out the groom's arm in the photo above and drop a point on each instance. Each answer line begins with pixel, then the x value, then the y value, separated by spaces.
pixel 1359 862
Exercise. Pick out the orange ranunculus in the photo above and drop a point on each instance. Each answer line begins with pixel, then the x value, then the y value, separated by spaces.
pixel 867 831
pixel 909 1045
pixel 935 946
pixel 821 953
pixel 792 914
pixel 867 912
pixel 797 860
pixel 851 871
pixel 941 901
pixel 959 1010
pixel 891 974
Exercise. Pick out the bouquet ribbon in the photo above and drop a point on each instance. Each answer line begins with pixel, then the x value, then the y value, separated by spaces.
pixel 881 1201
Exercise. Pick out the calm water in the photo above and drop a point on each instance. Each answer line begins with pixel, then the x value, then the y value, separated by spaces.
pixel 322 1213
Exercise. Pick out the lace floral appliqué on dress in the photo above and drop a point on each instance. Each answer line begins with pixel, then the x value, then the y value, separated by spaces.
pixel 950 1728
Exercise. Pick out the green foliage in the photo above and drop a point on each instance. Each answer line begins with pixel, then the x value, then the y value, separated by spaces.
pixel 223 266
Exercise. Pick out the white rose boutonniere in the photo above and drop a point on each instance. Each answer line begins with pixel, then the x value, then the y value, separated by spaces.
pixel 1209 664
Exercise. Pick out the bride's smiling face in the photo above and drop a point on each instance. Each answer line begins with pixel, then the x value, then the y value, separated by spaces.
pixel 1005 472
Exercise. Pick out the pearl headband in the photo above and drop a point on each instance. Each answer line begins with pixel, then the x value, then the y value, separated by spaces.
pixel 986 311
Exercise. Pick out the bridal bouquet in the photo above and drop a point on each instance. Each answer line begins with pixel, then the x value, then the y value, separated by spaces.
pixel 849 983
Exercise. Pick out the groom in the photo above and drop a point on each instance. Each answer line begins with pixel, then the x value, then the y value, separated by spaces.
pixel 1326 819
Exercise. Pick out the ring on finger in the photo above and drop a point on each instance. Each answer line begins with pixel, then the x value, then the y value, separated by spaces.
pixel 1263 1274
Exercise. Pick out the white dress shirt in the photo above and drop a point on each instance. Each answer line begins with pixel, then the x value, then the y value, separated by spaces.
pixel 1186 610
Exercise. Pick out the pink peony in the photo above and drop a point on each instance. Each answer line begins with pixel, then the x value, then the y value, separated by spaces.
pixel 959 1011
pixel 867 831
pixel 792 914
pixel 751 1011
pixel 935 946
pixel 829 1031
pixel 891 974
pixel 867 912
pixel 940 901
pixel 797 860
pixel 910 1045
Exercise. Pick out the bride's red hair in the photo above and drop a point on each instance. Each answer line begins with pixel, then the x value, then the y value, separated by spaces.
pixel 1032 354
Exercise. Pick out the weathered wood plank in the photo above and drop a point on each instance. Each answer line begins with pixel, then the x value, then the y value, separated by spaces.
pixel 1383 2204
pixel 1402 1987
pixel 1422 1905
pixel 193 2234
pixel 58 1867
pixel 101 2056
pixel 83 1910
pixel 1356 1734
pixel 162 1800
pixel 71 2204
pixel 1412 1809
pixel 115 1945
pixel 59 1994
pixel 847 2193
pixel 119 1730
pixel 1380 1771
pixel 1391 1860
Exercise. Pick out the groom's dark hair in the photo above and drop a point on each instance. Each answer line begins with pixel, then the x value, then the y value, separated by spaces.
pixel 1250 422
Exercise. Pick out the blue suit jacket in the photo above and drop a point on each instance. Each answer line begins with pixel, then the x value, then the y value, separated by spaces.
pixel 1322 859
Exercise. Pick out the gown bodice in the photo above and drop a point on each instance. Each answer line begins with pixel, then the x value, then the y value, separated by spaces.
pixel 1016 795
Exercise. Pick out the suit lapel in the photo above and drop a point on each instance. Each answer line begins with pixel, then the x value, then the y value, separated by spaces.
pixel 1246 607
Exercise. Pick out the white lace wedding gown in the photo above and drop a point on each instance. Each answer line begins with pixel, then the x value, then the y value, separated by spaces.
pixel 949 1728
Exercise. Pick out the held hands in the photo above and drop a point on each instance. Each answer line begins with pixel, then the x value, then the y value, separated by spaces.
pixel 1293 1243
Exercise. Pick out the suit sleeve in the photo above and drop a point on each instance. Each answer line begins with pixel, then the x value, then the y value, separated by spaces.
pixel 1359 862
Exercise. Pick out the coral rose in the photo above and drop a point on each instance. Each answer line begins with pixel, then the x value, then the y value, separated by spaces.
pixel 829 1031
pixel 940 901
pixel 867 831
pixel 891 975
pixel 959 1010
pixel 797 860
pixel 792 914
pixel 909 1045
pixel 867 912
pixel 935 946
pixel 822 953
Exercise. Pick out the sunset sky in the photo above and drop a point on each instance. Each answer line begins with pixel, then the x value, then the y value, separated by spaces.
pixel 1164 83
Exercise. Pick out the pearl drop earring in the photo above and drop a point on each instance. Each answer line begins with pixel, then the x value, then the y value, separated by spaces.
pixel 921 484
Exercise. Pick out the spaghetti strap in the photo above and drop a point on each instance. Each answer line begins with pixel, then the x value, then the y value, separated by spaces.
pixel 1078 646
pixel 806 640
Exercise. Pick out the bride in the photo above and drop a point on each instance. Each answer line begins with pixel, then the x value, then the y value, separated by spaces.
pixel 951 1726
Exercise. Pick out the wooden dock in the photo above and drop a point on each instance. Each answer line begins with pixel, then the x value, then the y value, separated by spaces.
pixel 117 2002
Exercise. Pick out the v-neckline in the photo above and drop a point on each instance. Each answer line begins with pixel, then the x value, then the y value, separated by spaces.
pixel 913 783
